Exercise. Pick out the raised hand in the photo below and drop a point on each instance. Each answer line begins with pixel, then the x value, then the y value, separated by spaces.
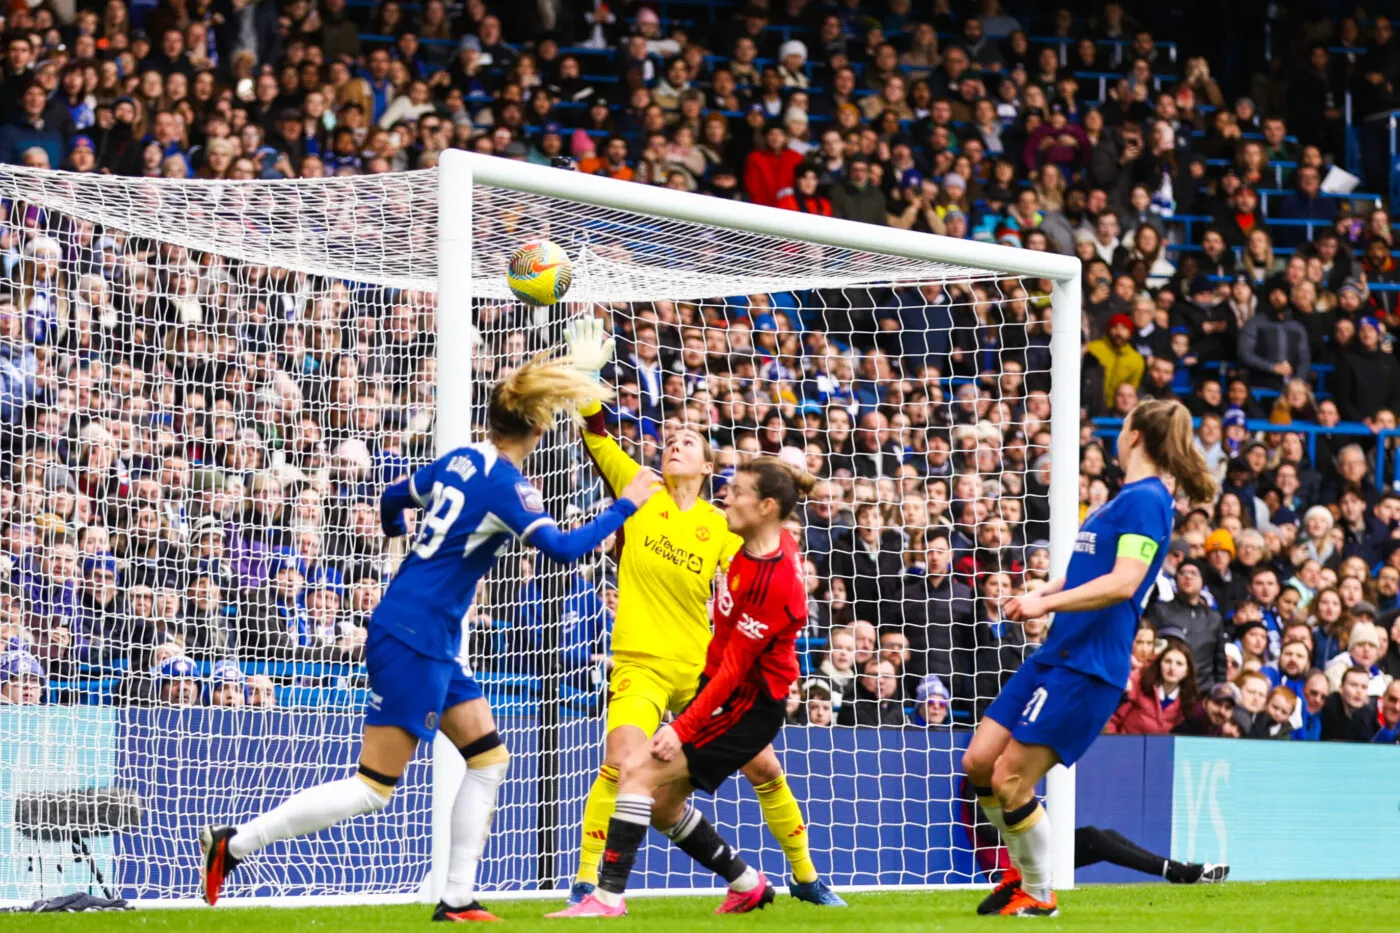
pixel 589 345
pixel 642 487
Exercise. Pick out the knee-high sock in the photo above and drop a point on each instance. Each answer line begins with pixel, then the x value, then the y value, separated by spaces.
pixel 695 836
pixel 626 831
pixel 1031 826
pixel 309 811
pixel 1092 845
pixel 471 823
pixel 784 818
pixel 597 811
pixel 991 809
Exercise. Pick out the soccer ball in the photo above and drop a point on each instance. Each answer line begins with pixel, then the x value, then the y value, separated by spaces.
pixel 539 273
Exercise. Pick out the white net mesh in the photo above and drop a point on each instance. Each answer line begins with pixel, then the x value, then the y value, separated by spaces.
pixel 204 387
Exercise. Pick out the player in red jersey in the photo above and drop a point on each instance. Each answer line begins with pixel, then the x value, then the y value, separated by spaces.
pixel 738 711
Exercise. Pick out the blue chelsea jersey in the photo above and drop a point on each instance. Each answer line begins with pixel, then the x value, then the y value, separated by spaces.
pixel 474 503
pixel 1099 642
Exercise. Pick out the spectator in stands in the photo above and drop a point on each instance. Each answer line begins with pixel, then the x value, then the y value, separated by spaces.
pixel 1351 468
pixel 1120 362
pixel 1368 377
pixel 877 701
pixel 930 702
pixel 867 557
pixel 1305 203
pixel 1160 695
pixel 26 130
pixel 1214 716
pixel 1388 716
pixel 839 665
pixel 1002 645
pixel 935 613
pixel 1362 652
pixel 1249 715
pixel 819 710
pixel 1363 533
pixel 1380 267
pixel 1238 220
pixel 1348 715
pixel 261 692
pixel 227 685
pixel 1274 345
pixel 805 195
pixel 1226 586
pixel 1200 626
pixel 177 682
pixel 855 197
pixel 768 172
pixel 22 678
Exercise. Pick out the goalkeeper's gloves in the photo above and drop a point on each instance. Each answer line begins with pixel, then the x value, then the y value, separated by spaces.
pixel 589 346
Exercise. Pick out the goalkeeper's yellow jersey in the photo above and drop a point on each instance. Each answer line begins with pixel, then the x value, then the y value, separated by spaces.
pixel 667 561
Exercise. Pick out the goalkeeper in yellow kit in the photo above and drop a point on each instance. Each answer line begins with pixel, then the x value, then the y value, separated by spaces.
pixel 668 554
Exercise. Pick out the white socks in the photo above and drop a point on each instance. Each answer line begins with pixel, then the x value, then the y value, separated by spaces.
pixel 745 882
pixel 472 810
pixel 991 808
pixel 1036 858
pixel 307 811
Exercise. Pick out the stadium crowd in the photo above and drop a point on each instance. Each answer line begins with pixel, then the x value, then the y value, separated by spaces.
pixel 193 451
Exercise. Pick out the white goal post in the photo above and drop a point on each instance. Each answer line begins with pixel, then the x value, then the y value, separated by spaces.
pixel 462 174
pixel 203 387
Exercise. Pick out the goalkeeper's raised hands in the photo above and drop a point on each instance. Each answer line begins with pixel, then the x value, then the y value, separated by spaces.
pixel 589 346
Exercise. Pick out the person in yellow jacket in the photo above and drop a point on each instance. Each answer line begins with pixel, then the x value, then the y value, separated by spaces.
pixel 1121 361
pixel 668 554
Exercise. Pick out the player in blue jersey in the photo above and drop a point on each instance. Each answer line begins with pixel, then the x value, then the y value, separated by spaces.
pixel 475 501
pixel 1054 707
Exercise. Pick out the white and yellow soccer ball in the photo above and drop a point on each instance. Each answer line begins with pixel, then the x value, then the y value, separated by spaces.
pixel 539 273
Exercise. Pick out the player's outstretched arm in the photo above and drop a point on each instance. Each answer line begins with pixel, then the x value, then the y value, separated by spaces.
pixel 608 456
pixel 568 546
pixel 591 349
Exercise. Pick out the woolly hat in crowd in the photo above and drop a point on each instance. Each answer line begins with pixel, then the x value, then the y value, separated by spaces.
pixel 792 47
pixel 1363 633
pixel 1120 320
pixel 1220 540
pixel 19 665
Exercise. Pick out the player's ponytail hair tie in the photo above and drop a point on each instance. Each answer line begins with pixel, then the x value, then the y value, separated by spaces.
pixel 1167 438
pixel 780 481
pixel 535 394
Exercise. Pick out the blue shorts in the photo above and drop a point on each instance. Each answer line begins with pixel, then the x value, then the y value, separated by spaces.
pixel 1054 706
pixel 411 690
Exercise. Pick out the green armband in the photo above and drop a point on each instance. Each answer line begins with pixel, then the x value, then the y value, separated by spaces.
pixel 1138 547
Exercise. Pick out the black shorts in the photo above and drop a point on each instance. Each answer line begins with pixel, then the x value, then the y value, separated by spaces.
pixel 745 725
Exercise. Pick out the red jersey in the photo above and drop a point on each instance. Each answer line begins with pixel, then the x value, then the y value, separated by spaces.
pixel 758 616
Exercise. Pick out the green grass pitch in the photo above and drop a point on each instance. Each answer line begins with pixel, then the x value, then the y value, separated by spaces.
pixel 1238 907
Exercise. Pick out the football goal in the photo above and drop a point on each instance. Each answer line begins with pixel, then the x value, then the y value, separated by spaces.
pixel 204 386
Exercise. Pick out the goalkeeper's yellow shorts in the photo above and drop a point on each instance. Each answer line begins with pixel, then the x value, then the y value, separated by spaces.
pixel 643 688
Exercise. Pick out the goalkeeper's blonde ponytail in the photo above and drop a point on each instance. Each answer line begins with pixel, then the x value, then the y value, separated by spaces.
pixel 534 395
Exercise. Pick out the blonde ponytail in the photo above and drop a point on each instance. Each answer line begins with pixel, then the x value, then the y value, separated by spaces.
pixel 534 395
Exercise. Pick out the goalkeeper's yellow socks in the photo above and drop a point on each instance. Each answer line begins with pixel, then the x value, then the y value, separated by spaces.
pixel 602 800
pixel 784 819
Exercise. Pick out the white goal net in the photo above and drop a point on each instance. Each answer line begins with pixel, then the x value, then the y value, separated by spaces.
pixel 204 387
